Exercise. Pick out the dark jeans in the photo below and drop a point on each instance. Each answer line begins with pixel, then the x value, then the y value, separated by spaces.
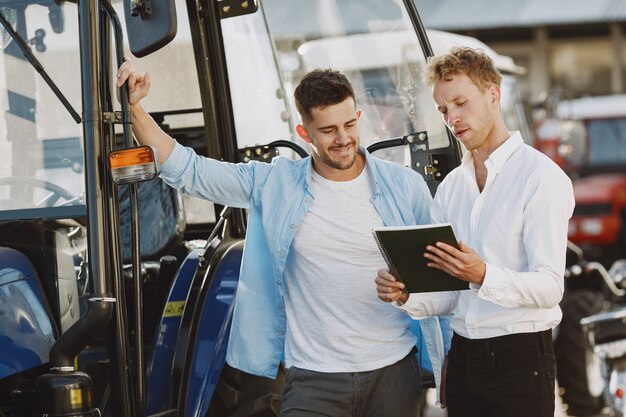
pixel 506 376
pixel 394 390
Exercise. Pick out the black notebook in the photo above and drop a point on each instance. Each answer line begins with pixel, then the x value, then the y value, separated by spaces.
pixel 403 249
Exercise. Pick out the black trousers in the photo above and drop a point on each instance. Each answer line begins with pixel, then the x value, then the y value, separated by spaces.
pixel 506 376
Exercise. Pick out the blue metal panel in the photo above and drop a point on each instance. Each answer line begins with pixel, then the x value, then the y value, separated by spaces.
pixel 213 329
pixel 158 380
pixel 26 333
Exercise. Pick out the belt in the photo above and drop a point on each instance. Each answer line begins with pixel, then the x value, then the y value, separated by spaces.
pixel 543 338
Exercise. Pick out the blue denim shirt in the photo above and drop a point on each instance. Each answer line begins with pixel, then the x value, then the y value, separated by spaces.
pixel 277 197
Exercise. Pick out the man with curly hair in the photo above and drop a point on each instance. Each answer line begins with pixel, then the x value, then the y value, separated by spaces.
pixel 509 207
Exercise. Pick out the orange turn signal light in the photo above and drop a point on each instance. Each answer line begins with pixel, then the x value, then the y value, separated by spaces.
pixel 134 164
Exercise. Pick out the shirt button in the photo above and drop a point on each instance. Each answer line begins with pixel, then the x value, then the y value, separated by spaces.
pixel 280 333
pixel 279 283
pixel 282 254
pixel 293 226
pixel 308 200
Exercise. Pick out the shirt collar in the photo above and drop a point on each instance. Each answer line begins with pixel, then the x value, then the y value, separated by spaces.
pixel 371 170
pixel 309 170
pixel 499 156
pixel 503 152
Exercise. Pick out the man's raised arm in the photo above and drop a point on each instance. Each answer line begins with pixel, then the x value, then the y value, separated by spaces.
pixel 145 129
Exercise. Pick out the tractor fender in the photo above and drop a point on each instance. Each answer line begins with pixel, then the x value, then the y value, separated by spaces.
pixel 158 373
pixel 213 329
pixel 189 351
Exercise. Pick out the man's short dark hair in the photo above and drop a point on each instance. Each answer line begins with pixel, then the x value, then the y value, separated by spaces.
pixel 321 88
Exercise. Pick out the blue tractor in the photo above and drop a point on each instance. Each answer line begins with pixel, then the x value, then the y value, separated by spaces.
pixel 116 292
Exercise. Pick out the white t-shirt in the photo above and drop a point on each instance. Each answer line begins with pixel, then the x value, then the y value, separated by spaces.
pixel 335 321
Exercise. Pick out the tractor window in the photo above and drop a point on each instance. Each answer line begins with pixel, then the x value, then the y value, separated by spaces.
pixel 372 42
pixel 175 101
pixel 40 142
pixel 607 141
pixel 174 94
pixel 259 101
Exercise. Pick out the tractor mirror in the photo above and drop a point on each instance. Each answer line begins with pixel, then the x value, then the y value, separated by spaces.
pixel 150 24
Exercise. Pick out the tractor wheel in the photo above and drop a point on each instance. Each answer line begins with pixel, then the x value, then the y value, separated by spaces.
pixel 239 394
pixel 579 370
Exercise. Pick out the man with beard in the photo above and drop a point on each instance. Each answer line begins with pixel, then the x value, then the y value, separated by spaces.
pixel 304 291
pixel 509 206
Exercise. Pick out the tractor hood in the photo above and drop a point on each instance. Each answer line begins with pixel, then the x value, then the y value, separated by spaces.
pixel 600 188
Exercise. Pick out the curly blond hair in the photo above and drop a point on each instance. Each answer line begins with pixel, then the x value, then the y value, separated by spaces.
pixel 474 62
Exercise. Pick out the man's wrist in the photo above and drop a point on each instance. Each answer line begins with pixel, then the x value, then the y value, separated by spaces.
pixel 135 107
pixel 403 299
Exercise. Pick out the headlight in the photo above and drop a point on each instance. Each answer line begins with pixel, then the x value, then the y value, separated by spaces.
pixel 591 227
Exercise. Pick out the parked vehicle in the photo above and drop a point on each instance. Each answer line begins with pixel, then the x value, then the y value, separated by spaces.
pixel 606 333
pixel 579 369
pixel 588 138
pixel 115 296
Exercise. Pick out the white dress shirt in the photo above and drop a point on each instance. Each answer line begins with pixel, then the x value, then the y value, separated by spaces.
pixel 518 225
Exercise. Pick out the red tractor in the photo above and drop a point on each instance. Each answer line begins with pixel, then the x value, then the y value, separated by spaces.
pixel 588 139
